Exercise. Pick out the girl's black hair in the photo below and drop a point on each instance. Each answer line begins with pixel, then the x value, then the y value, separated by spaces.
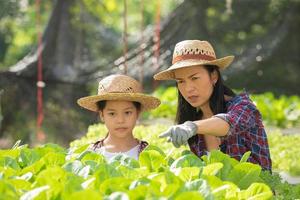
pixel 186 112
pixel 101 105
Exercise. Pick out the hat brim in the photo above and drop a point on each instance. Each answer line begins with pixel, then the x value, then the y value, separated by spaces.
pixel 147 102
pixel 168 74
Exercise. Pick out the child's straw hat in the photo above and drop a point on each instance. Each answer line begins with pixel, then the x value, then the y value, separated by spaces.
pixel 192 53
pixel 119 87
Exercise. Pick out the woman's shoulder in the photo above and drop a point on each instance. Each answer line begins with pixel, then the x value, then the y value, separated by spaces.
pixel 241 101
pixel 242 98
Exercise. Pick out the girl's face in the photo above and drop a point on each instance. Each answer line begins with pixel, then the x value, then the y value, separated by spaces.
pixel 196 85
pixel 119 117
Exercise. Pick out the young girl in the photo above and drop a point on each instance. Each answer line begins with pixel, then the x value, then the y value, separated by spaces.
pixel 209 114
pixel 119 103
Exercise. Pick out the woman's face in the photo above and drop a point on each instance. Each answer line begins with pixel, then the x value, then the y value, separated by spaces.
pixel 196 85
pixel 119 117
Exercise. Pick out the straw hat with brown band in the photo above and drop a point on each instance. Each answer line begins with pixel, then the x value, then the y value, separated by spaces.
pixel 190 53
pixel 120 88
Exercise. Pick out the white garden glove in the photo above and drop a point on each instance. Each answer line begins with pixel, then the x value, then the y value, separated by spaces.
pixel 179 134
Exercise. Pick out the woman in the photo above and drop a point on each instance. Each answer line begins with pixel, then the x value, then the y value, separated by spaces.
pixel 209 114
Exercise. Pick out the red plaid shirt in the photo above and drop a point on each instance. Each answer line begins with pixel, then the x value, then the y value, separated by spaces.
pixel 246 133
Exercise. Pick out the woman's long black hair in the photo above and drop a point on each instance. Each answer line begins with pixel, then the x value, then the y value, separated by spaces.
pixel 186 112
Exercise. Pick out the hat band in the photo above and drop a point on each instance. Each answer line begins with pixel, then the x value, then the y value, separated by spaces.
pixel 192 56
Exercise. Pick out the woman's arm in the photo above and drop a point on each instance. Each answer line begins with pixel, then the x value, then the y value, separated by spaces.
pixel 210 128
pixel 240 116
pixel 213 126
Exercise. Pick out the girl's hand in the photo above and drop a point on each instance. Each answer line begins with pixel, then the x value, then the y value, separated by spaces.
pixel 179 134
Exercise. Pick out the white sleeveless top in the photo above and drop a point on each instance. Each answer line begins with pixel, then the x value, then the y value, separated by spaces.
pixel 133 152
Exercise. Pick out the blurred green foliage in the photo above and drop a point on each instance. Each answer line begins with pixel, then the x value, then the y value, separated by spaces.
pixel 1 117
pixel 284 148
pixel 168 107
pixel 285 152
pixel 27 173
pixel 282 111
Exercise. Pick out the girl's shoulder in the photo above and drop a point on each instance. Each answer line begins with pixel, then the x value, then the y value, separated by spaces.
pixel 100 143
pixel 97 145
pixel 143 144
